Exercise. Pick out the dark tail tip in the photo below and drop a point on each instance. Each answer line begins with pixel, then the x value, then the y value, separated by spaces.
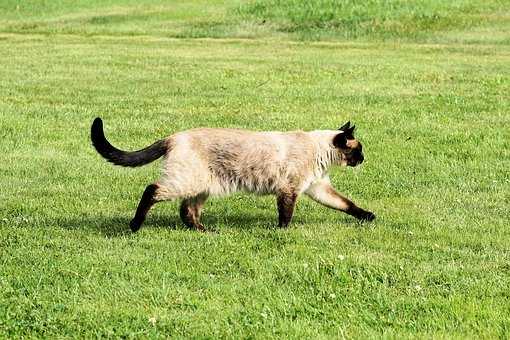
pixel 98 122
pixel 96 131
pixel 99 141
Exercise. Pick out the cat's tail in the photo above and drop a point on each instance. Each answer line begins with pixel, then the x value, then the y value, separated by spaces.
pixel 124 158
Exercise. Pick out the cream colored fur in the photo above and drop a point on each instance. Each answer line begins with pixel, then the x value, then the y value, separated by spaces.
pixel 221 161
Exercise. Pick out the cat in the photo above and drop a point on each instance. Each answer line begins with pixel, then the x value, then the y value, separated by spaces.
pixel 204 162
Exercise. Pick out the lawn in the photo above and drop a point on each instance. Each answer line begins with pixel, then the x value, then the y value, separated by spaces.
pixel 431 103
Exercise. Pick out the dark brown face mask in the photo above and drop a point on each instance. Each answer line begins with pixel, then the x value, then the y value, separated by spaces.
pixel 351 149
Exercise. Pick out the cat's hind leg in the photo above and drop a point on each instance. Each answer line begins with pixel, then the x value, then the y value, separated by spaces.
pixel 149 197
pixel 190 211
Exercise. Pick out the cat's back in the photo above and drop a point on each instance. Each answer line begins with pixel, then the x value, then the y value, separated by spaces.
pixel 248 145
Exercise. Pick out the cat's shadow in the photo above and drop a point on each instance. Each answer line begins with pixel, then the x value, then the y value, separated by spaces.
pixel 117 226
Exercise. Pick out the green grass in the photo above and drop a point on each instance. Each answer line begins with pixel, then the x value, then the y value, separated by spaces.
pixel 466 21
pixel 434 123
pixel 349 19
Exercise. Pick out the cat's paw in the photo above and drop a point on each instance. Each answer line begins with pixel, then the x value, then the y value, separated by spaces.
pixel 366 216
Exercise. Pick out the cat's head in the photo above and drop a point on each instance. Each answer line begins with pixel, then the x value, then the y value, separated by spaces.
pixel 349 147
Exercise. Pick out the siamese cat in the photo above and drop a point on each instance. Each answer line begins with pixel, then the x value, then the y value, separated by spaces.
pixel 204 162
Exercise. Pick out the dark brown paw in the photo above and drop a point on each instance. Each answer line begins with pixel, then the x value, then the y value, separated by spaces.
pixel 200 228
pixel 135 225
pixel 366 216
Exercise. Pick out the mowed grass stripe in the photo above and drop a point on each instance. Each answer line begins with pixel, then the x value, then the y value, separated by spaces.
pixel 473 21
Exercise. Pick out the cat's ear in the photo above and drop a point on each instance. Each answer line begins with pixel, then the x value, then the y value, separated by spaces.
pixel 345 126
pixel 350 131
pixel 340 140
